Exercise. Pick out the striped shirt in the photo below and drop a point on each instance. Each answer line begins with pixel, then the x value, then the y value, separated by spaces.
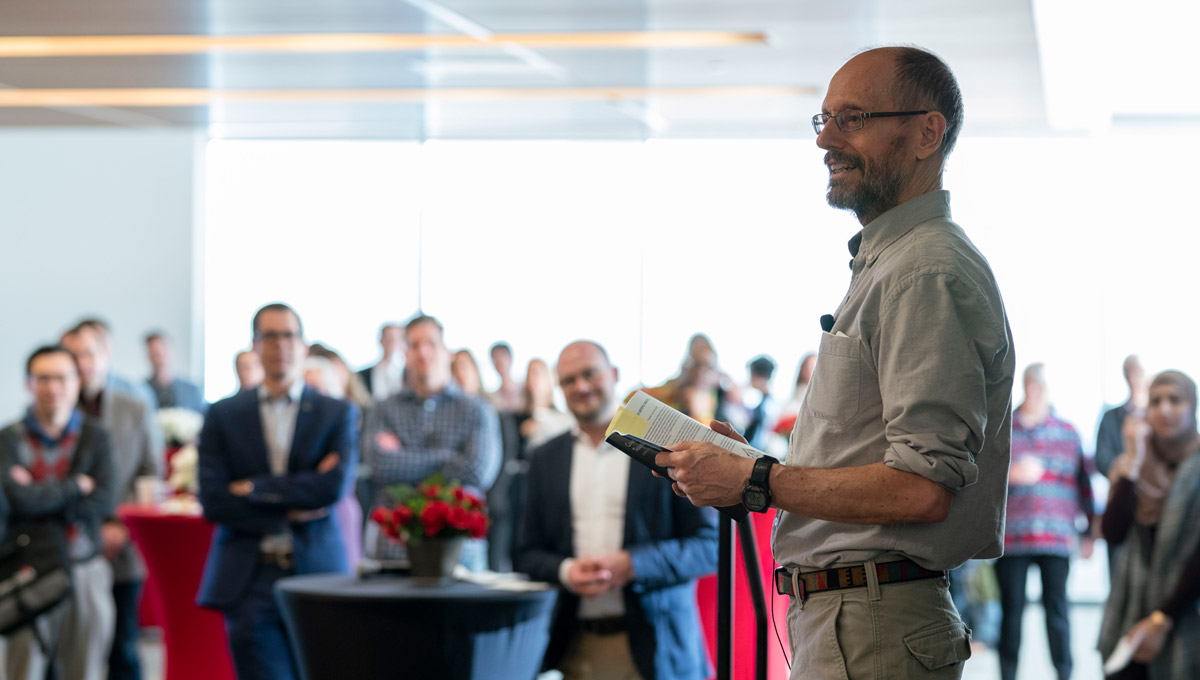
pixel 1041 516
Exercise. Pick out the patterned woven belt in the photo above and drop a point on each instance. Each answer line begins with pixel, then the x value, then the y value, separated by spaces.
pixel 841 578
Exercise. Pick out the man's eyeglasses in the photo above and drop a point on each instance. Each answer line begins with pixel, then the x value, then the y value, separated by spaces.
pixel 851 120
pixel 273 336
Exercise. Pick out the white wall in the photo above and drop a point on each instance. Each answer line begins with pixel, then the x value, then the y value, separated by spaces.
pixel 96 222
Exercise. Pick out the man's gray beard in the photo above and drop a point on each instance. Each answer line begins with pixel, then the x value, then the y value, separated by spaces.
pixel 877 192
pixel 873 195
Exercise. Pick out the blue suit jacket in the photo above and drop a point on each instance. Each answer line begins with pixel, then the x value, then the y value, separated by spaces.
pixel 232 448
pixel 670 541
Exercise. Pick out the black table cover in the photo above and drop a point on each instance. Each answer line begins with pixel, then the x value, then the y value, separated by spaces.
pixel 396 627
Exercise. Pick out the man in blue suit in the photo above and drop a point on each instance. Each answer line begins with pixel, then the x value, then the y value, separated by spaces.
pixel 272 462
pixel 624 548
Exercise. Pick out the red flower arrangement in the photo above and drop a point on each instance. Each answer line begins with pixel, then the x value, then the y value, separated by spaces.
pixel 434 509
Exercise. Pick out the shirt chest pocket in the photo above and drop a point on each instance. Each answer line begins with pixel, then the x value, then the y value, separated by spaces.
pixel 835 392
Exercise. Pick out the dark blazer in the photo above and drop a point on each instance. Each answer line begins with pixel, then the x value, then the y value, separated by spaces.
pixel 232 448
pixel 671 542
pixel 61 499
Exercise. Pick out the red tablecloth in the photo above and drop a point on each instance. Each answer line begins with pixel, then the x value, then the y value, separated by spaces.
pixel 175 547
pixel 743 609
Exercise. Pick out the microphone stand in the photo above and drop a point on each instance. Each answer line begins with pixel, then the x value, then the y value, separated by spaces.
pixel 750 563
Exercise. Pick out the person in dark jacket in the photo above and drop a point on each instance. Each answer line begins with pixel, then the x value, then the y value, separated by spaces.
pixel 624 548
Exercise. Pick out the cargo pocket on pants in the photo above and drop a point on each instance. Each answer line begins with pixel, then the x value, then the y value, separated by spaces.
pixel 940 646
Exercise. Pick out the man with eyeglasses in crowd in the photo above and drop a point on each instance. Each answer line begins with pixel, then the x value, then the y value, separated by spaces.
pixel 273 461
pixel 898 466
pixel 56 464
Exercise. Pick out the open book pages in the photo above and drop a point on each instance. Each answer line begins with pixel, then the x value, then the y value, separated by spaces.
pixel 646 417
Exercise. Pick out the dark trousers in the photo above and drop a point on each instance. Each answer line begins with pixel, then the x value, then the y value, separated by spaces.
pixel 123 661
pixel 1011 573
pixel 258 641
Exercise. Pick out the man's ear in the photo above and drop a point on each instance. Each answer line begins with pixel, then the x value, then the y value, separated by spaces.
pixel 932 132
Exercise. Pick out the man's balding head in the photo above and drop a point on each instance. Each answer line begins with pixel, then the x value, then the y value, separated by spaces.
pixel 877 161
pixel 588 381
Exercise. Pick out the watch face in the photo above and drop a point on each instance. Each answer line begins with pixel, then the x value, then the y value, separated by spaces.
pixel 754 499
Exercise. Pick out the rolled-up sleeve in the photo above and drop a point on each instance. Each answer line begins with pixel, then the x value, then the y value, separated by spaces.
pixel 935 341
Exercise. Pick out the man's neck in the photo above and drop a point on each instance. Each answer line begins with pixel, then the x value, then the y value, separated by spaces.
pixel 427 390
pixel 162 377
pixel 594 432
pixel 919 186
pixel 596 429
pixel 1139 400
pixel 1032 413
pixel 53 422
pixel 277 387
pixel 92 390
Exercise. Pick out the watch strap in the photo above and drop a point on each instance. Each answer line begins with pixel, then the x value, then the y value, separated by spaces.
pixel 761 474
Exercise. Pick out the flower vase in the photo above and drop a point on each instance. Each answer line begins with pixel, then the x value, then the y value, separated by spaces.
pixel 434 559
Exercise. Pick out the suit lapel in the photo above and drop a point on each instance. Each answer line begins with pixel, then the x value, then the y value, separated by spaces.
pixel 250 423
pixel 306 420
pixel 561 493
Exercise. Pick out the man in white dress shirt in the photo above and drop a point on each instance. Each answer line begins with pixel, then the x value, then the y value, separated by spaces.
pixel 624 548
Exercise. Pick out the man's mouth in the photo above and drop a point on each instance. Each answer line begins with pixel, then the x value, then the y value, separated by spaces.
pixel 838 169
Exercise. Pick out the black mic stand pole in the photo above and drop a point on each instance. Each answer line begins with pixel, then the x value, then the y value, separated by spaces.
pixel 725 599
pixel 725 559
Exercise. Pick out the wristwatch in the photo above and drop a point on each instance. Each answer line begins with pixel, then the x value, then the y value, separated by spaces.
pixel 757 494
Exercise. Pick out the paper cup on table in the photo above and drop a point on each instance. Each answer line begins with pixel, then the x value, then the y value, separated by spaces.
pixel 146 490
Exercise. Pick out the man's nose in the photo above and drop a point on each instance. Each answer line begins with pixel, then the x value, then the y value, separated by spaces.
pixel 830 136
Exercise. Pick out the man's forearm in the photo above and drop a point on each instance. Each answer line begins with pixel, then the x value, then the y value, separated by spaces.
pixel 868 494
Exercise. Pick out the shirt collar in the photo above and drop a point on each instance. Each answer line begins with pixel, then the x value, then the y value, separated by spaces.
pixel 451 390
pixel 292 396
pixel 886 229
pixel 74 424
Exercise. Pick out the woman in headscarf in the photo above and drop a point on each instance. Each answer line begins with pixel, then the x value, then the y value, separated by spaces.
pixel 1154 511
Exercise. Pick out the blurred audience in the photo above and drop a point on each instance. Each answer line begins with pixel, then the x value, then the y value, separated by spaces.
pixel 430 426
pixel 272 463
pixel 386 377
pixel 542 419
pixel 56 465
pixel 762 408
pixel 1109 440
pixel 1049 490
pixel 1153 513
pixel 169 390
pixel 321 375
pixel 137 451
pixel 700 389
pixel 249 370
pixel 349 383
pixel 116 381
pixel 508 396
pixel 465 372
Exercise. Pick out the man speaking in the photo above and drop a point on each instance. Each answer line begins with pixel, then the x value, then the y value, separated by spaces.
pixel 899 459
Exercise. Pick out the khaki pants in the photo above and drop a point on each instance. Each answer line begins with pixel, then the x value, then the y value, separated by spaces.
pixel 81 629
pixel 890 632
pixel 599 657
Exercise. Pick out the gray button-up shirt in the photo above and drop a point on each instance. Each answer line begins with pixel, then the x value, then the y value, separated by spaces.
pixel 916 372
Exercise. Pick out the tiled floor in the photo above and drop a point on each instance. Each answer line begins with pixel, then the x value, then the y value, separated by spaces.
pixel 1035 653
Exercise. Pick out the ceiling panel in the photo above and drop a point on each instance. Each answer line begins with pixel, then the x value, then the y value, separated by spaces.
pixel 991 44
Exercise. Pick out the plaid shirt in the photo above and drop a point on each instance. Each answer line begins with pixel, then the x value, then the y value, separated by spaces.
pixel 450 432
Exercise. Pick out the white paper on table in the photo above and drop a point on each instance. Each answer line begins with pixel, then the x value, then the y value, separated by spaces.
pixel 646 417
pixel 1123 654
